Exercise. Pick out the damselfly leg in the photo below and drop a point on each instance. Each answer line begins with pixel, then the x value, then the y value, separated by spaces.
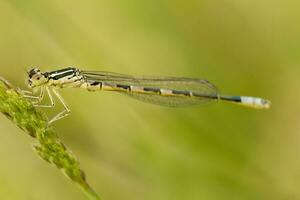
pixel 30 95
pixel 66 110
pixel 38 99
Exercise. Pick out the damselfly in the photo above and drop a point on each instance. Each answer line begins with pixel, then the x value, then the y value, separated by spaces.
pixel 165 91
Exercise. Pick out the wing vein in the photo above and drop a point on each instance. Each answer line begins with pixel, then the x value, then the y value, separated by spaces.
pixel 200 90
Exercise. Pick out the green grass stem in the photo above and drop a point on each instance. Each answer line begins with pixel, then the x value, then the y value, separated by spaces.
pixel 48 145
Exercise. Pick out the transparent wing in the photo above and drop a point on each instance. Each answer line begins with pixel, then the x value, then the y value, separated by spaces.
pixel 201 89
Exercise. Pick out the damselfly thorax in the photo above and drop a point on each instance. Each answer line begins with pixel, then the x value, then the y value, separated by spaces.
pixel 165 91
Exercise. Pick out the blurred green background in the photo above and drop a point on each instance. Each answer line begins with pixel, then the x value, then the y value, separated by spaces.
pixel 132 150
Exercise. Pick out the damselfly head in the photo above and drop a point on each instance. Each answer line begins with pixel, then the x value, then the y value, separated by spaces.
pixel 36 78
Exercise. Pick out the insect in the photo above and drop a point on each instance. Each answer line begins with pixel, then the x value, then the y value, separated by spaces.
pixel 165 91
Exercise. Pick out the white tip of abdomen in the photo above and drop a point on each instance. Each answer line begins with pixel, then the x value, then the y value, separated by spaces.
pixel 255 102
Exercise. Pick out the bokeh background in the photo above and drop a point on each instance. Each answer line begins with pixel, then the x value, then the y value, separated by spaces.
pixel 133 150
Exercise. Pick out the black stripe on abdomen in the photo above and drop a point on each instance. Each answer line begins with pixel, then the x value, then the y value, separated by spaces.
pixel 232 98
pixel 185 93
pixel 208 96
pixel 96 83
pixel 155 90
pixel 125 87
